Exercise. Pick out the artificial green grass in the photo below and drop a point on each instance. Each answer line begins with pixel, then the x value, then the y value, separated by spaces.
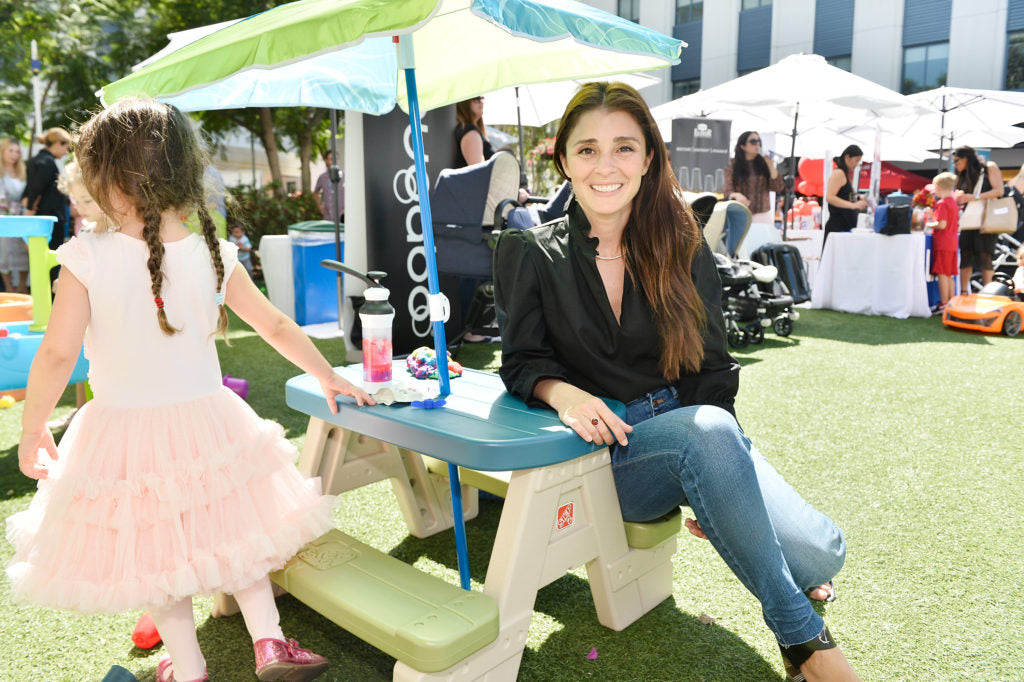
pixel 903 431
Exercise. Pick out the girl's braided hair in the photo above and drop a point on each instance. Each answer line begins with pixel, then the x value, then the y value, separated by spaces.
pixel 148 153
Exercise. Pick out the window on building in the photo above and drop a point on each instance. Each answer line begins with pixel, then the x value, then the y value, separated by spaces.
pixel 630 9
pixel 754 4
pixel 1015 61
pixel 685 87
pixel 842 62
pixel 924 67
pixel 689 10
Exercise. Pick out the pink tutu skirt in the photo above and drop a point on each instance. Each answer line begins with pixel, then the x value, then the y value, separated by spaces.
pixel 149 505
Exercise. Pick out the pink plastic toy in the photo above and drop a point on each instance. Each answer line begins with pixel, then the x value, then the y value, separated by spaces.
pixel 239 386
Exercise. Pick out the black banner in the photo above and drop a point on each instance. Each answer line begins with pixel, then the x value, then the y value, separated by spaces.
pixel 700 152
pixel 394 234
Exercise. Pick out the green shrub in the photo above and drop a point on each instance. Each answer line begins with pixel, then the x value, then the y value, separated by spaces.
pixel 262 212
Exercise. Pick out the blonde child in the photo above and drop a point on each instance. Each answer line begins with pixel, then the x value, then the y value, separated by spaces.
pixel 945 240
pixel 71 183
pixel 166 484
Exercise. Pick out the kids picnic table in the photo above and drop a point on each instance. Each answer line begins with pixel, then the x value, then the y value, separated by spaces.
pixel 560 512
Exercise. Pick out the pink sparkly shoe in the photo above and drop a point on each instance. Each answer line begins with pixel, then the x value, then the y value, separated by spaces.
pixel 165 672
pixel 278 659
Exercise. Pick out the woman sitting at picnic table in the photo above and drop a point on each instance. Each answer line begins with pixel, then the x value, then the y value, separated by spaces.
pixel 621 298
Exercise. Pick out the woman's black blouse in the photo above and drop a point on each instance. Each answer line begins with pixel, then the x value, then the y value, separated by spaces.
pixel 41 186
pixel 461 132
pixel 841 218
pixel 556 321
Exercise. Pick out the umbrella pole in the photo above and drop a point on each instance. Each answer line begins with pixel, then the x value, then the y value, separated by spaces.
pixel 791 179
pixel 335 175
pixel 438 304
pixel 942 133
pixel 522 155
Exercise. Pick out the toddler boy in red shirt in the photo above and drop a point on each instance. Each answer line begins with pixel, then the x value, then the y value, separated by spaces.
pixel 945 239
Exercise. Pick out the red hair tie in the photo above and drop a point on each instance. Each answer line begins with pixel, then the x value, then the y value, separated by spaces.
pixel 159 302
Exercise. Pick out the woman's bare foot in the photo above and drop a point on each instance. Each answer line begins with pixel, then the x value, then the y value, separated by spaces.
pixel 822 592
pixel 828 666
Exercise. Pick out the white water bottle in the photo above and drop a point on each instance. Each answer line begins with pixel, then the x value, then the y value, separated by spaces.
pixel 376 316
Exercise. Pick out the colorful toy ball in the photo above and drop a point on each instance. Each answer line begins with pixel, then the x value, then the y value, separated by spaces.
pixel 422 364
pixel 7 400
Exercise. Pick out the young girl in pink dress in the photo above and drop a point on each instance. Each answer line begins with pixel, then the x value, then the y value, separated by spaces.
pixel 166 484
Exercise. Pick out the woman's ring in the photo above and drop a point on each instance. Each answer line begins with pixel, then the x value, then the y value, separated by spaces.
pixel 594 421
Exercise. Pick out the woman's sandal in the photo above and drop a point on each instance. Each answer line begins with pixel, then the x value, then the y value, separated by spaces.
pixel 795 656
pixel 831 593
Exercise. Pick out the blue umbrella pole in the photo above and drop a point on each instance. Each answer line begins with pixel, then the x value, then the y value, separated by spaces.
pixel 437 303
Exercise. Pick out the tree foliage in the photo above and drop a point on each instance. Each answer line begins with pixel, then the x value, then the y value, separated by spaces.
pixel 85 44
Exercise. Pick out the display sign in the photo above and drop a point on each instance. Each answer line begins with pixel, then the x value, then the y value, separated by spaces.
pixel 700 152
pixel 394 233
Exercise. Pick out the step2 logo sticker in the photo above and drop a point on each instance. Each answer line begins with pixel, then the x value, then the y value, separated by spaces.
pixel 565 515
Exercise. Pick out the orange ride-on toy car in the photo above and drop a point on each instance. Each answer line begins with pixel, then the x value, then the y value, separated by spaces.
pixel 994 309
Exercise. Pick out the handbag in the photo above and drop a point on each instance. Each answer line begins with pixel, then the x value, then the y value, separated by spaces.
pixel 974 212
pixel 1000 216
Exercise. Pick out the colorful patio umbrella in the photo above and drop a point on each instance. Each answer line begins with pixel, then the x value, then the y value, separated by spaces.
pixel 369 55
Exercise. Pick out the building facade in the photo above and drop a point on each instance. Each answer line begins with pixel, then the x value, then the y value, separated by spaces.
pixel 905 45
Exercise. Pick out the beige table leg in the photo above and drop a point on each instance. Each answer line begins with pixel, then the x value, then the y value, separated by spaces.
pixel 345 460
pixel 555 519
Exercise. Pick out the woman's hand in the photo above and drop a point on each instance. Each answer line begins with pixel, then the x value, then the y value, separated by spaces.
pixel 335 385
pixel 738 196
pixel 771 166
pixel 585 414
pixel 861 204
pixel 28 452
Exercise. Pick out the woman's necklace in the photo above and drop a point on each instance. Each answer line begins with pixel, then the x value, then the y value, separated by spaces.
pixel 600 257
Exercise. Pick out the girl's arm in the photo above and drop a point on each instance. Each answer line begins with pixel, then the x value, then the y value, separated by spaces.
pixel 51 370
pixel 287 338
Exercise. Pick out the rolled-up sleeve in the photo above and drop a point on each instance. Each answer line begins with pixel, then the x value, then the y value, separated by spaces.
pixel 526 354
pixel 719 376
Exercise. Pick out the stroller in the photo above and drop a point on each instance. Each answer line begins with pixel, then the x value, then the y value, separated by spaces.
pixel 753 294
pixel 469 207
pixel 1004 261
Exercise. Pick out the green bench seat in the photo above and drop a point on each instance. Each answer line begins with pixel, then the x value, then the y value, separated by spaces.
pixel 417 618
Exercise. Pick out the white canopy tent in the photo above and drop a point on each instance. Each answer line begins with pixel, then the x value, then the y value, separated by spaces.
pixel 963 116
pixel 804 89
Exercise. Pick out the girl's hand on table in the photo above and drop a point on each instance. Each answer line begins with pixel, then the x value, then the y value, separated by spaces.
pixel 336 385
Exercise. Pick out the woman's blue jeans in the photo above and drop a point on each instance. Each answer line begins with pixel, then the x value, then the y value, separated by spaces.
pixel 777 544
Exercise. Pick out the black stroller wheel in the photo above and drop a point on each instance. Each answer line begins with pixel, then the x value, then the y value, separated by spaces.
pixel 783 326
pixel 1011 324
pixel 738 338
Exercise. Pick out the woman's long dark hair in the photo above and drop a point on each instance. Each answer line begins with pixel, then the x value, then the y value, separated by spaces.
pixel 972 171
pixel 661 240
pixel 848 153
pixel 743 169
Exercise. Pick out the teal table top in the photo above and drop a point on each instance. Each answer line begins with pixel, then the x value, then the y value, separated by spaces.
pixel 481 427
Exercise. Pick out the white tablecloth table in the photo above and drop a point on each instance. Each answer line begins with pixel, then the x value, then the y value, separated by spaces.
pixel 873 274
